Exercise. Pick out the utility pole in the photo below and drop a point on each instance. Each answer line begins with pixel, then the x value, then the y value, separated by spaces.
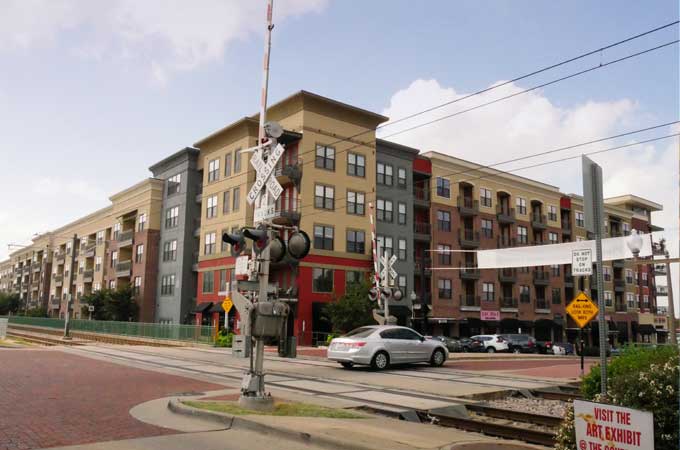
pixel 69 296
pixel 671 306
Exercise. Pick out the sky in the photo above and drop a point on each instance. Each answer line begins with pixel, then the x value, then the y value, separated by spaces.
pixel 94 92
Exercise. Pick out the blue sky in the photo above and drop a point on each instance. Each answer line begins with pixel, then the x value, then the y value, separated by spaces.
pixel 121 84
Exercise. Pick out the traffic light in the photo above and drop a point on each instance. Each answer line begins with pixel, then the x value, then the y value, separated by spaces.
pixel 237 242
pixel 299 244
pixel 259 237
pixel 277 249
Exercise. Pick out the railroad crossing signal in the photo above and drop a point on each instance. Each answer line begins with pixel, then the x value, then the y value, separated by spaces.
pixel 264 178
pixel 388 274
pixel 582 309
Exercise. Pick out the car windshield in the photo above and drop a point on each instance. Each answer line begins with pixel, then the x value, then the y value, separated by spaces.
pixel 360 332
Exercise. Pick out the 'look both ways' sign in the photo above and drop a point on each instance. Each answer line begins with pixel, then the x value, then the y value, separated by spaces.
pixel 607 427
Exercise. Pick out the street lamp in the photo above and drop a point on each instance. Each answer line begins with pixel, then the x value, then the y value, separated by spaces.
pixel 634 243
pixel 413 298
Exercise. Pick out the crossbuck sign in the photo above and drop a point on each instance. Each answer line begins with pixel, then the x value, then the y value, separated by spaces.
pixel 264 171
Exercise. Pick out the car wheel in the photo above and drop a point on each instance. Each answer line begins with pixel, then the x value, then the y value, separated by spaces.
pixel 380 361
pixel 490 350
pixel 347 365
pixel 516 350
pixel 437 358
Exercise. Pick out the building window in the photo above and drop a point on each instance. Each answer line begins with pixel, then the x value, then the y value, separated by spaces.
pixel 401 250
pixel 401 213
pixel 384 174
pixel 607 272
pixel 580 219
pixel 171 217
pixel 141 222
pixel 402 284
pixel 100 237
pixel 521 205
pixel 630 299
pixel 556 296
pixel 552 213
pixel 401 178
pixel 211 207
pixel 485 197
pixel 444 220
pixel 168 284
pixel 324 197
pixel 137 286
pixel 223 280
pixel 323 237
pixel 555 270
pixel 322 280
pixel 96 287
pixel 356 241
pixel 645 301
pixel 385 210
pixel 208 282
pixel 237 161
pixel 325 157
pixel 170 250
pixel 444 252
pixel 644 276
pixel 227 165
pixel 97 263
pixel 356 165
pixel 386 246
pixel 226 201
pixel 352 277
pixel 629 276
pixel 112 285
pixel 626 229
pixel 443 187
pixel 209 247
pixel 213 170
pixel 488 292
pixel 444 286
pixel 524 296
pixel 174 183
pixel 139 253
pixel 607 298
pixel 356 203
pixel 487 228
pixel 236 203
pixel 552 237
pixel 116 232
pixel 114 259
pixel 522 234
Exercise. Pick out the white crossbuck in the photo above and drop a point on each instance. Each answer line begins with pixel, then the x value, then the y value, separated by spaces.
pixel 264 178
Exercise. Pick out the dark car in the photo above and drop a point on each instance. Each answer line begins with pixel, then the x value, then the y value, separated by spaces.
pixel 452 344
pixel 471 345
pixel 521 343
pixel 544 347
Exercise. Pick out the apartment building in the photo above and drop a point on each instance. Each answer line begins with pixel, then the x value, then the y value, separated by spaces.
pixel 26 273
pixel 328 172
pixel 179 235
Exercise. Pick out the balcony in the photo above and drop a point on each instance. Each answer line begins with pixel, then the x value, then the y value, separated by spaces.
pixel 124 238
pixel 287 216
pixel 619 285
pixel 60 258
pixel 36 267
pixel 618 263
pixel 289 172
pixel 660 269
pixel 508 304
pixel 539 221
pixel 55 303
pixel 661 291
pixel 542 306
pixel 467 206
pixel 468 238
pixel 58 280
pixel 469 302
pixel 505 215
pixel 88 250
pixel 421 231
pixel 506 242
pixel 421 197
pixel 199 194
pixel 658 249
pixel 35 285
pixel 566 228
pixel 123 269
pixel 422 265
pixel 88 276
pixel 568 279
pixel 469 273
pixel 197 227
pixel 621 307
pixel 507 275
pixel 541 277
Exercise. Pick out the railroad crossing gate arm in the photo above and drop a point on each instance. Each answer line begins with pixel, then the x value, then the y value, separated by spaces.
pixel 243 306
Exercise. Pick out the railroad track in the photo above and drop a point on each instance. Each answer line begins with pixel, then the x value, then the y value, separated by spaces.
pixel 31 339
pixel 557 395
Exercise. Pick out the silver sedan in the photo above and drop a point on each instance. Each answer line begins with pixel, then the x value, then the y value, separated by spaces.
pixel 382 345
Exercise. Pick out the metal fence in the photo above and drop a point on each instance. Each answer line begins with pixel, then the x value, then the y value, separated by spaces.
pixel 188 333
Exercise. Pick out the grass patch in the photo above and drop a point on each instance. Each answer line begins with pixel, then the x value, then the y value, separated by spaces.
pixel 280 409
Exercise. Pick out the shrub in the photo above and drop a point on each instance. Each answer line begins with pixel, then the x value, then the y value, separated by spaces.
pixel 224 339
pixel 592 351
pixel 641 378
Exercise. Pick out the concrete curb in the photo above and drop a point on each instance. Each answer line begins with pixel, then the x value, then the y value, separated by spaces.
pixel 242 422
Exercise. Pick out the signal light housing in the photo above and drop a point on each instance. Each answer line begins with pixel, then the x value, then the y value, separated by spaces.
pixel 259 237
pixel 277 249
pixel 237 242
pixel 373 294
pixel 299 244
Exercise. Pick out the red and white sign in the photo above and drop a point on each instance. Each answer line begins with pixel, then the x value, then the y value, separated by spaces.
pixel 489 315
pixel 607 427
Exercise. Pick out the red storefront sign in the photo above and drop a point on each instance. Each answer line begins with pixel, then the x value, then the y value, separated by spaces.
pixel 489 315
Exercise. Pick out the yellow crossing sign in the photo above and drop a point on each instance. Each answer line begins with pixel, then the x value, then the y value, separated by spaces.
pixel 227 304
pixel 582 309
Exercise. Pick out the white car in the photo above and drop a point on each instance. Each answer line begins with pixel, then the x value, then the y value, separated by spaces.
pixel 493 342
pixel 559 350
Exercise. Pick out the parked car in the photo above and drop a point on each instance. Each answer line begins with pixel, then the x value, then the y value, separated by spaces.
pixel 382 345
pixel 452 344
pixel 493 343
pixel 520 343
pixel 544 347
pixel 566 346
pixel 471 345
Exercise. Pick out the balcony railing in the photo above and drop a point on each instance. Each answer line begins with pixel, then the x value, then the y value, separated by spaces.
pixel 36 267
pixel 660 269
pixel 421 194
pixel 58 278
pixel 566 227
pixel 467 206
pixel 542 304
pixel 661 291
pixel 289 215
pixel 619 284
pixel 123 268
pixel 619 263
pixel 568 278
pixel 422 264
pixel 539 221
pixel 507 275
pixel 506 242
pixel 468 273
pixel 505 214
pixel 469 238
pixel 469 300
pixel 621 307
pixel 88 275
pixel 125 237
pixel 541 277
pixel 508 302
pixel 421 228
pixel 289 171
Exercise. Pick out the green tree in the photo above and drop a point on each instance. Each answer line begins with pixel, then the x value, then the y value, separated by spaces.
pixel 352 310
pixel 118 305
pixel 9 303
pixel 98 299
pixel 37 312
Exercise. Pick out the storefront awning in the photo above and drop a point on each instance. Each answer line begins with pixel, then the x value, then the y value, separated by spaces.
pixel 202 307
pixel 646 329
pixel 216 308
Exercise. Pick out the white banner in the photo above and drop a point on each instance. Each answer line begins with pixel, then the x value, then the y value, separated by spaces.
pixel 546 255
pixel 601 426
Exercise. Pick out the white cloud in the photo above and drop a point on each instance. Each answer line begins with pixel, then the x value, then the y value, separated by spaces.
pixel 531 123
pixel 169 35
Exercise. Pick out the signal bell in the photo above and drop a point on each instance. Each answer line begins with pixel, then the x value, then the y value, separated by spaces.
pixel 299 244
